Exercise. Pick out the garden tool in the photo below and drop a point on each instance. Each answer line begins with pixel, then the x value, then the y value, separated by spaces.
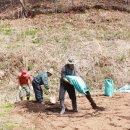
pixel 52 97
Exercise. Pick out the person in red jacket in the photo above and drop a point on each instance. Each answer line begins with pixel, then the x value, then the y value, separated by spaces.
pixel 24 80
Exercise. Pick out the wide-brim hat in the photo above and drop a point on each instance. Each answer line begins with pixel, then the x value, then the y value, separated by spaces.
pixel 51 71
pixel 70 61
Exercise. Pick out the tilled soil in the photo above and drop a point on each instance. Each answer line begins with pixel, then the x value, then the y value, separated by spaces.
pixel 113 115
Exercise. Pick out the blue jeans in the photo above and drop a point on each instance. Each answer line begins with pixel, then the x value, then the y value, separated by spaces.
pixel 38 91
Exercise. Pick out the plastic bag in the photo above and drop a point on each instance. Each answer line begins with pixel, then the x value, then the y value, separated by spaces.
pixel 109 87
pixel 125 88
pixel 78 83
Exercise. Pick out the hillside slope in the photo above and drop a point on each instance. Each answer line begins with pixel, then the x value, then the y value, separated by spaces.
pixel 99 42
pixel 10 9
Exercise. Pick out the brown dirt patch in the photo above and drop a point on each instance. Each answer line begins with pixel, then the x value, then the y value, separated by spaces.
pixel 114 116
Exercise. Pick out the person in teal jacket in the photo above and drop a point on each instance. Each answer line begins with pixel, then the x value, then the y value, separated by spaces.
pixel 41 79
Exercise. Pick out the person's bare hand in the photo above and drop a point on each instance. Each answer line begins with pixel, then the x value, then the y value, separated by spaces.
pixel 66 80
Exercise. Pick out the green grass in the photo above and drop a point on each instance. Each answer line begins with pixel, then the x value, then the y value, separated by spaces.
pixel 64 32
pixel 13 46
pixel 32 31
pixel 6 123
pixel 121 58
pixel 36 40
pixel 30 66
pixel 6 29
pixel 5 109
pixel 27 33
pixel 8 126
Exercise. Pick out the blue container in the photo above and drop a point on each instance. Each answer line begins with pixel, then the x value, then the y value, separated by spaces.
pixel 109 87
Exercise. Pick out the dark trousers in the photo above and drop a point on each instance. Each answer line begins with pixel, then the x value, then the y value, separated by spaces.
pixel 88 96
pixel 71 91
pixel 64 86
pixel 38 91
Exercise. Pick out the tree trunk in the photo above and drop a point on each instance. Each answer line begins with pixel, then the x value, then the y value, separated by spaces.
pixel 24 8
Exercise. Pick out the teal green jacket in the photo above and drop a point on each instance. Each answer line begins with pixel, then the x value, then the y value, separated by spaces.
pixel 42 79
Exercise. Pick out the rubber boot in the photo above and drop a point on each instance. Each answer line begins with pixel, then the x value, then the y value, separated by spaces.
pixel 74 106
pixel 93 104
pixel 21 98
pixel 28 98
pixel 62 107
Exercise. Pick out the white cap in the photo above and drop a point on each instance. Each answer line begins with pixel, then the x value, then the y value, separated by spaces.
pixel 70 61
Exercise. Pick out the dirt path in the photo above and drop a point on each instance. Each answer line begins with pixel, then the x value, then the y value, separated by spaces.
pixel 116 115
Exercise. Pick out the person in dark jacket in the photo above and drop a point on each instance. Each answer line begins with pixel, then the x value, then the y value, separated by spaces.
pixel 70 69
pixel 41 79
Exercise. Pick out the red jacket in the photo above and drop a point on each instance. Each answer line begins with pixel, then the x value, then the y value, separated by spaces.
pixel 24 78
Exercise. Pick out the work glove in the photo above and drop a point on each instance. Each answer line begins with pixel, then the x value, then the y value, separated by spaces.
pixel 49 90
pixel 46 91
pixel 20 88
pixel 31 87
pixel 66 81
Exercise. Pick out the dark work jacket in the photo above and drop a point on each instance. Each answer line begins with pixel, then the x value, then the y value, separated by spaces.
pixel 66 70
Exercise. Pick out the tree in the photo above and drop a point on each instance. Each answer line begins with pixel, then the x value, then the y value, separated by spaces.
pixel 24 8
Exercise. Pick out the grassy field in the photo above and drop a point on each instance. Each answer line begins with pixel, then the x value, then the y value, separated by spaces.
pixel 7 122
pixel 98 40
